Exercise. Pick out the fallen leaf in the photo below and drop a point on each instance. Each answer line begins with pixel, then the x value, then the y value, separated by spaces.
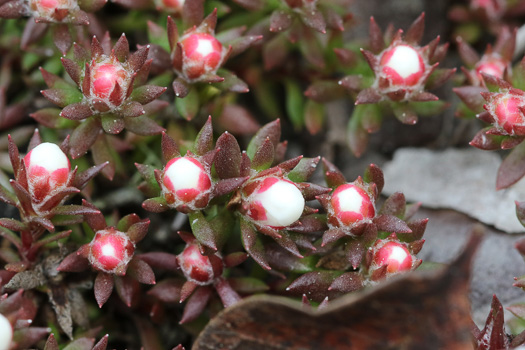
pixel 421 310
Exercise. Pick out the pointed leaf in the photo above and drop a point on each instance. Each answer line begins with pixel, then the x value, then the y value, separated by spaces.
pixel 512 169
pixel 314 284
pixel 103 288
pixel 160 260
pixel 196 304
pixel 264 156
pixel 394 205
pixel 143 126
pixel 168 290
pixel 414 34
pixel 188 107
pixel 347 282
pixel 227 294
pixel 146 93
pixel 155 205
pixel 390 223
pixel 203 230
pixel 204 139
pixel 169 147
pixel 228 157
pixel 280 20
pixel 271 130
pixel 253 245
pixel 83 137
pixel 141 271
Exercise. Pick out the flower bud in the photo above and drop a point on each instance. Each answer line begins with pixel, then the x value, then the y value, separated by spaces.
pixel 110 251
pixel 170 5
pixel 505 108
pixel 202 54
pixel 493 65
pixel 275 202
pixel 199 268
pixel 394 255
pixel 6 333
pixel 48 4
pixel 493 10
pixel 46 8
pixel 47 170
pixel 350 204
pixel 402 65
pixel 185 181
pixel 105 77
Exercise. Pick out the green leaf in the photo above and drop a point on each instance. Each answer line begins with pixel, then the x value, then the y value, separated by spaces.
pixel 313 116
pixel 264 93
pixel 81 344
pixel 148 173
pixel 159 36
pixel 165 79
pixel 357 137
pixel 203 230
pixel 428 108
pixel 30 60
pixel 188 106
pixel 294 103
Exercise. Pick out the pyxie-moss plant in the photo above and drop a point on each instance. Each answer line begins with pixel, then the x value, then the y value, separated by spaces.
pixel 199 206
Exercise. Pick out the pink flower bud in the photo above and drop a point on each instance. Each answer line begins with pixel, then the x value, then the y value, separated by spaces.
pixel 395 255
pixel 6 333
pixel 48 4
pixel 202 54
pixel 105 77
pixel 402 65
pixel 185 181
pixel 110 251
pixel 275 202
pixel 170 5
pixel 46 8
pixel 350 204
pixel 493 9
pixel 47 170
pixel 493 65
pixel 199 268
pixel 505 108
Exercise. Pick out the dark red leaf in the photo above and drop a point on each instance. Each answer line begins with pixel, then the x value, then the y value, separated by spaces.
pixel 141 271
pixel 103 288
pixel 228 157
pixel 196 304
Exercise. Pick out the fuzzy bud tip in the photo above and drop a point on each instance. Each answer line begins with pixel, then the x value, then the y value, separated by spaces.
pixel 110 250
